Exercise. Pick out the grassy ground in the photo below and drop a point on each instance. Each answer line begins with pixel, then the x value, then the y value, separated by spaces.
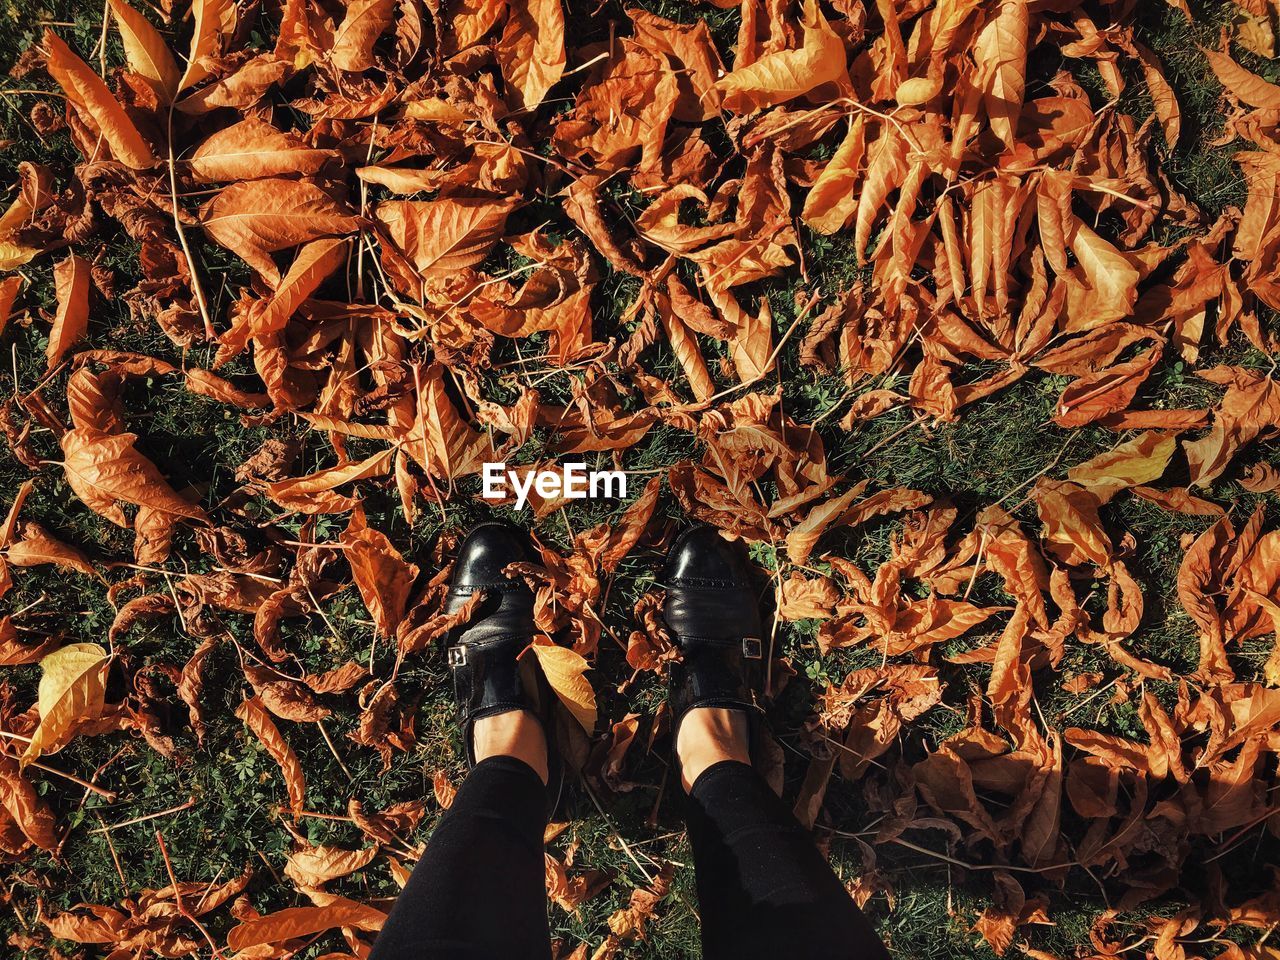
pixel 990 455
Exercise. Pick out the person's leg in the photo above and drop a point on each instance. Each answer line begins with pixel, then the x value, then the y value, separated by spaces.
pixel 764 890
pixel 479 891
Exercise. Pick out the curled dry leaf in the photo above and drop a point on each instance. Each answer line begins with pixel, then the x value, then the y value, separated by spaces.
pixel 259 721
pixel 382 575
pixel 37 547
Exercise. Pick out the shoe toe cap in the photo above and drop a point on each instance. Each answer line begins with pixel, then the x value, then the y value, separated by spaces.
pixel 487 550
pixel 701 555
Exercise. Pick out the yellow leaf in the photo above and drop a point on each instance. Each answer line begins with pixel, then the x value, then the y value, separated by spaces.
pixel 13 254
pixel 1134 462
pixel 564 671
pixel 782 76
pixel 72 689
pixel 831 202
pixel 146 51
pixel 1001 52
pixel 917 90
pixel 214 18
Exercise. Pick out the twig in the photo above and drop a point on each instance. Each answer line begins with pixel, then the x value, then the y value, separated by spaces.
pixel 1231 844
pixel 150 816
pixel 919 419
pixel 110 795
pixel 332 749
pixel 115 858
pixel 182 234
pixel 621 840
pixel 177 899
pixel 978 866
pixel 1094 695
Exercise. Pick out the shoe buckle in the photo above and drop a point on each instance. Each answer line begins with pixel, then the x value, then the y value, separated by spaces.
pixel 457 656
pixel 752 648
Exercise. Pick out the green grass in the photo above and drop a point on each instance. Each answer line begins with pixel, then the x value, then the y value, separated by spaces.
pixel 993 453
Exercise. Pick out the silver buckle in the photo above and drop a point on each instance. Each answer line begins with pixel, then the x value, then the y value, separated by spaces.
pixel 457 656
pixel 752 648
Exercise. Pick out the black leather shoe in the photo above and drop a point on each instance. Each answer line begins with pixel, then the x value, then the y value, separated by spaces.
pixel 488 679
pixel 713 615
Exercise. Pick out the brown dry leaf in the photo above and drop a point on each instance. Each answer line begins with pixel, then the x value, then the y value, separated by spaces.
pixel 443 789
pixel 315 493
pixel 214 19
pixel 1198 579
pixel 253 149
pixel 1250 406
pixel 37 547
pixel 255 218
pixel 383 577
pixel 295 922
pixel 362 24
pixel 1162 96
pixel 1095 396
pixel 805 535
pixel 10 287
pixel 441 441
pixel 1072 529
pixel 314 866
pixel 145 49
pixel 25 807
pixel 15 653
pixel 442 237
pixel 831 201
pixel 259 721
pixel 1001 51
pixel 1132 463
pixel 105 470
pixel 1241 83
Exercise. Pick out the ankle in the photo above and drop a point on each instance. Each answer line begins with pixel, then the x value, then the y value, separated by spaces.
pixel 516 733
pixel 709 735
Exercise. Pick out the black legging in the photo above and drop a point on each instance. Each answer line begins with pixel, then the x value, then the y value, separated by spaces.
pixel 764 891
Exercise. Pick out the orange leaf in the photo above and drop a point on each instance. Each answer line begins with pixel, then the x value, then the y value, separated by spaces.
pixel 71 322
pixel 782 76
pixel 382 575
pixel 1242 84
pixel 255 715
pixel 295 922
pixel 87 92
pixel 531 51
